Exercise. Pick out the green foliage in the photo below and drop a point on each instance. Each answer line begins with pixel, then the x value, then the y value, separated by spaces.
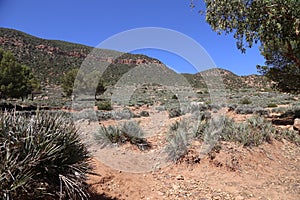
pixel 272 105
pixel 177 142
pixel 48 59
pixel 290 135
pixel 275 24
pixel 132 129
pixel 108 135
pixel 254 132
pixel 103 105
pixel 122 114
pixel 81 83
pixel 285 77
pixel 133 133
pixel 245 100
pixel 16 80
pixel 251 109
pixel 128 131
pixel 51 59
pixel 183 131
pixel 67 82
pixel 42 157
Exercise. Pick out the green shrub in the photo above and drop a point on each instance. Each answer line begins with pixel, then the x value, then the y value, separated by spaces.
pixel 177 145
pixel 183 131
pixel 160 108
pixel 103 115
pixel 280 110
pixel 272 105
pixel 251 109
pixel 122 114
pixel 87 114
pixel 290 135
pixel 108 135
pixel 129 131
pixel 103 105
pixel 42 157
pixel 245 109
pixel 132 128
pixel 245 100
pixel 253 132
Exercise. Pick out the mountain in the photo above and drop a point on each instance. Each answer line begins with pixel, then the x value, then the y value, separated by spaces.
pixel 230 80
pixel 51 59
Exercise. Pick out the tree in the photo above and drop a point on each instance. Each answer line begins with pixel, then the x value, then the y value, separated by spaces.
pixel 84 82
pixel 273 23
pixel 67 81
pixel 16 80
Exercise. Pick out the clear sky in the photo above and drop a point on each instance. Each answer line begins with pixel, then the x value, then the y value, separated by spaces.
pixel 90 22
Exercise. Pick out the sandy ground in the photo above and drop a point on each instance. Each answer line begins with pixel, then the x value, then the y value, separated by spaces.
pixel 270 171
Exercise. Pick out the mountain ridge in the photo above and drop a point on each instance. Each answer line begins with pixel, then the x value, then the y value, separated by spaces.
pixel 56 57
pixel 51 59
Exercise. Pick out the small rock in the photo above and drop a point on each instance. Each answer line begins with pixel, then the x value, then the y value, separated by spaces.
pixel 179 177
pixel 297 124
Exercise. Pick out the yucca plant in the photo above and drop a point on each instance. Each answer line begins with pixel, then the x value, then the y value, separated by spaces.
pixel 42 157
pixel 129 131
pixel 133 133
pixel 108 135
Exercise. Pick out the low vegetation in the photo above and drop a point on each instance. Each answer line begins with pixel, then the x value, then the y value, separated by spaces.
pixel 128 131
pixel 42 157
pixel 254 132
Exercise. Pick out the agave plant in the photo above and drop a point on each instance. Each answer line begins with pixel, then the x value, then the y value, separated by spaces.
pixel 42 156
pixel 128 131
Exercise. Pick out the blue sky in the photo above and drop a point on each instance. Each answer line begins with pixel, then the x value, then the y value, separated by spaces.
pixel 90 22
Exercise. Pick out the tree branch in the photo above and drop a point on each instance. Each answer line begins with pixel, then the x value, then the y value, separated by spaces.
pixel 290 54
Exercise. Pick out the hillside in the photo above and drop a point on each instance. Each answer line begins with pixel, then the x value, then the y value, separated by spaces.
pixel 230 80
pixel 50 59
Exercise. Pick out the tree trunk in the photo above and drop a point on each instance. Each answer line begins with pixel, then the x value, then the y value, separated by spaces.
pixel 290 54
